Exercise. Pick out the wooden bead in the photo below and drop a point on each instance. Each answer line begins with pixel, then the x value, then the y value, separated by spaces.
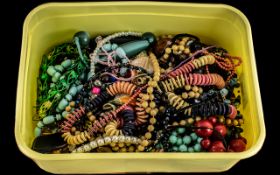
pixel 165 56
pixel 183 122
pixel 150 90
pixel 92 118
pixel 73 129
pixel 68 108
pixel 185 95
pixel 188 87
pixel 140 148
pixel 195 88
pixel 168 50
pixel 151 128
pixel 153 120
pixel 148 109
pixel 228 122
pixel 174 47
pixel 152 104
pixel 72 104
pixel 145 143
pixel 144 104
pixel 148 135
pixel 191 94
pixel 89 114
pixel 190 120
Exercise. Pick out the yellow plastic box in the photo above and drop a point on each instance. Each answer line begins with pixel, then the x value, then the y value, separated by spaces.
pixel 54 23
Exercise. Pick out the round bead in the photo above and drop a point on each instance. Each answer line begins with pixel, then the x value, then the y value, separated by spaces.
pixel 115 148
pixel 144 104
pixel 72 103
pixel 173 139
pixel 131 149
pixel 83 37
pixel 228 122
pixel 197 147
pixel 191 94
pixel 121 145
pixel 190 120
pixel 193 136
pixel 185 95
pixel 152 97
pixel 181 130
pixel 183 148
pixel 168 50
pixel 145 143
pixel 188 87
pixel 181 48
pixel 148 135
pixel 92 118
pixel 68 108
pixel 165 56
pixel 148 109
pixel 196 95
pixel 174 133
pixel 152 104
pixel 235 122
pixel 73 129
pixel 140 148
pixel 179 141
pixel 190 149
pixel 153 120
pixel 175 148
pixel 156 78
pixel 153 112
pixel 174 47
pixel 123 150
pixel 186 51
pixel 183 123
pixel 187 139
pixel 96 90
pixel 113 144
pixel 195 88
pixel 151 128
pixel 145 97
pixel 150 90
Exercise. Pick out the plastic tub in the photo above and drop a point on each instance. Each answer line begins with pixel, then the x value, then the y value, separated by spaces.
pixel 53 23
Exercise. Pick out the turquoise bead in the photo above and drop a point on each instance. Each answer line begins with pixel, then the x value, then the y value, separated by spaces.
pixel 52 85
pixel 114 46
pixel 175 148
pixel 132 48
pixel 174 133
pixel 183 148
pixel 190 149
pixel 181 130
pixel 58 117
pixel 179 141
pixel 59 68
pixel 62 104
pixel 79 88
pixel 48 120
pixel 51 71
pixel 193 136
pixel 54 79
pixel 73 90
pixel 66 63
pixel 64 113
pixel 199 139
pixel 40 124
pixel 57 75
pixel 187 139
pixel 197 147
pixel 173 139
pixel 68 97
pixel 107 47
pixel 37 132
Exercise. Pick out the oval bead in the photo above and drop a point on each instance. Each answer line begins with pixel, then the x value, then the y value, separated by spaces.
pixel 40 124
pixel 114 46
pixel 73 90
pixel 62 104
pixel 66 63
pixel 68 97
pixel 64 114
pixel 48 120
pixel 37 132
pixel 107 47
pixel 59 68
pixel 51 71
pixel 79 88
pixel 58 117
pixel 54 79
